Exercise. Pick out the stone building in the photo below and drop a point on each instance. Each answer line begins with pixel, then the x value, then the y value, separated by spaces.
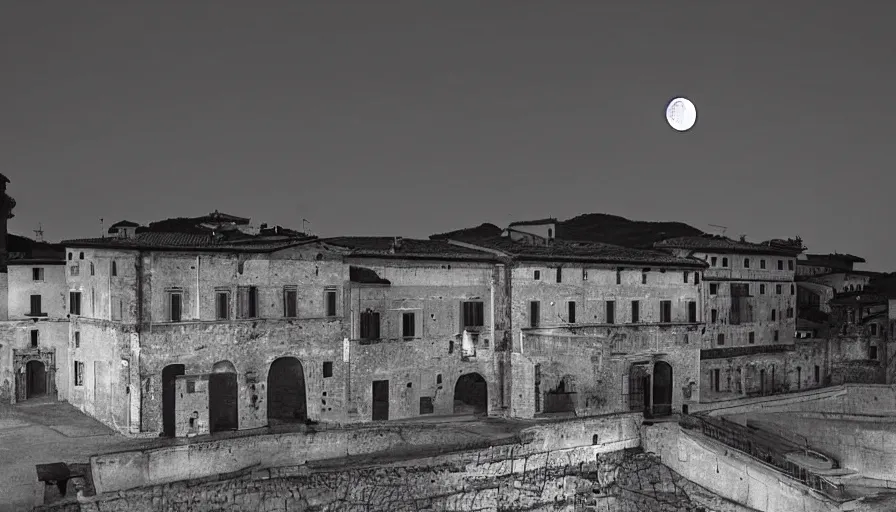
pixel 597 328
pixel 749 304
pixel 189 333
pixel 425 328
pixel 820 277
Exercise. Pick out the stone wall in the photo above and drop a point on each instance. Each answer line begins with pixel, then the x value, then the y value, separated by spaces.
pixel 584 478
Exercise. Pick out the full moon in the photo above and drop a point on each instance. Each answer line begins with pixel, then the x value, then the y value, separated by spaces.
pixel 681 114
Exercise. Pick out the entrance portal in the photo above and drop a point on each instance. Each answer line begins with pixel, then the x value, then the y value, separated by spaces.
pixel 662 389
pixel 286 391
pixel 471 395
pixel 223 412
pixel 36 379
pixel 169 396
pixel 639 389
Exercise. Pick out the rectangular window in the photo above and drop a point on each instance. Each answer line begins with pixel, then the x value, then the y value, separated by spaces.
pixel 35 335
pixel 584 274
pixel 761 289
pixel 696 277
pixel 222 305
pixel 408 327
pixel 114 268
pixel 665 311
pixel 721 339
pixel 572 311
pixel 330 296
pixel 776 335
pixel 290 302
pixel 774 314
pixel 713 261
pixel 75 269
pixel 559 275
pixel 762 264
pixel 790 314
pixel 725 262
pixel 780 264
pixel 175 306
pixel 715 380
pixel 536 275
pixel 778 289
pixel 79 373
pixel 752 336
pixel 746 262
pixel 618 276
pixel 37 274
pixel 370 325
pixel 817 374
pixel 873 354
pixel 714 315
pixel 247 307
pixel 328 369
pixel 686 277
pixel 692 311
pixel 713 288
pixel 789 264
pixel 611 312
pixel 636 311
pixel 473 314
pixel 77 339
pixel 35 305
pixel 534 313
pixel 74 303
pixel 873 329
pixel 643 277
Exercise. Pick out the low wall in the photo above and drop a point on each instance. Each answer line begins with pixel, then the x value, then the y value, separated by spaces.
pixel 140 468
pixel 729 473
pixel 869 399
pixel 498 478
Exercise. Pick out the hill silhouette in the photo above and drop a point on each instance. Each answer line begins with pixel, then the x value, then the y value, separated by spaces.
pixel 592 227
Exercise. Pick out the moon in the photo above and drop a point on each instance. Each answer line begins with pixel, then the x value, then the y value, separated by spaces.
pixel 681 114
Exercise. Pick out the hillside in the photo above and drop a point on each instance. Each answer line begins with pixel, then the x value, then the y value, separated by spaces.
pixel 594 227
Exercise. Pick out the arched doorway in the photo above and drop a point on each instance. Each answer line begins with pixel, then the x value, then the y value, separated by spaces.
pixel 662 389
pixel 223 393
pixel 286 391
pixel 471 395
pixel 169 396
pixel 35 379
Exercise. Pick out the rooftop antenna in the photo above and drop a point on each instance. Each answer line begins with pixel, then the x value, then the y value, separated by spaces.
pixel 743 237
pixel 39 232
pixel 723 228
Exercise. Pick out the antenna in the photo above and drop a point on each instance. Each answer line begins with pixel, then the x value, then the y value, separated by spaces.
pixel 723 228
pixel 39 232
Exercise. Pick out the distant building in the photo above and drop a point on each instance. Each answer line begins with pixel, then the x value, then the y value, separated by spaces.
pixel 749 300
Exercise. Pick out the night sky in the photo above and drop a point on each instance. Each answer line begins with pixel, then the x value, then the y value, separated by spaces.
pixel 411 118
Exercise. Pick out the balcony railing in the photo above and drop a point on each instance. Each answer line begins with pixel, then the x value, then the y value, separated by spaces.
pixel 768 449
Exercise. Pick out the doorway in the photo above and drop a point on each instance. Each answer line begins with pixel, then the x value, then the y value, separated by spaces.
pixel 639 389
pixel 169 396
pixel 380 400
pixel 286 391
pixel 471 395
pixel 36 379
pixel 223 409
pixel 662 388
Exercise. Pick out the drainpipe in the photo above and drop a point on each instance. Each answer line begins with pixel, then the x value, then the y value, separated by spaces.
pixel 196 295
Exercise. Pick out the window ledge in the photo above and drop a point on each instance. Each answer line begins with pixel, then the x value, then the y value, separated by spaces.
pixel 36 314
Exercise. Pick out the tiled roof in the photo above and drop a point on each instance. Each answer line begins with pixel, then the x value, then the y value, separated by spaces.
pixel 382 246
pixel 562 250
pixel 183 241
pixel 533 222
pixel 835 256
pixel 719 243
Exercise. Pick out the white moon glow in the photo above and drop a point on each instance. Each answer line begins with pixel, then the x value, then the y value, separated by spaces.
pixel 681 114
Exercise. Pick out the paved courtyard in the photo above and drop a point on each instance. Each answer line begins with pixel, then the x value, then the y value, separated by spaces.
pixel 40 432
